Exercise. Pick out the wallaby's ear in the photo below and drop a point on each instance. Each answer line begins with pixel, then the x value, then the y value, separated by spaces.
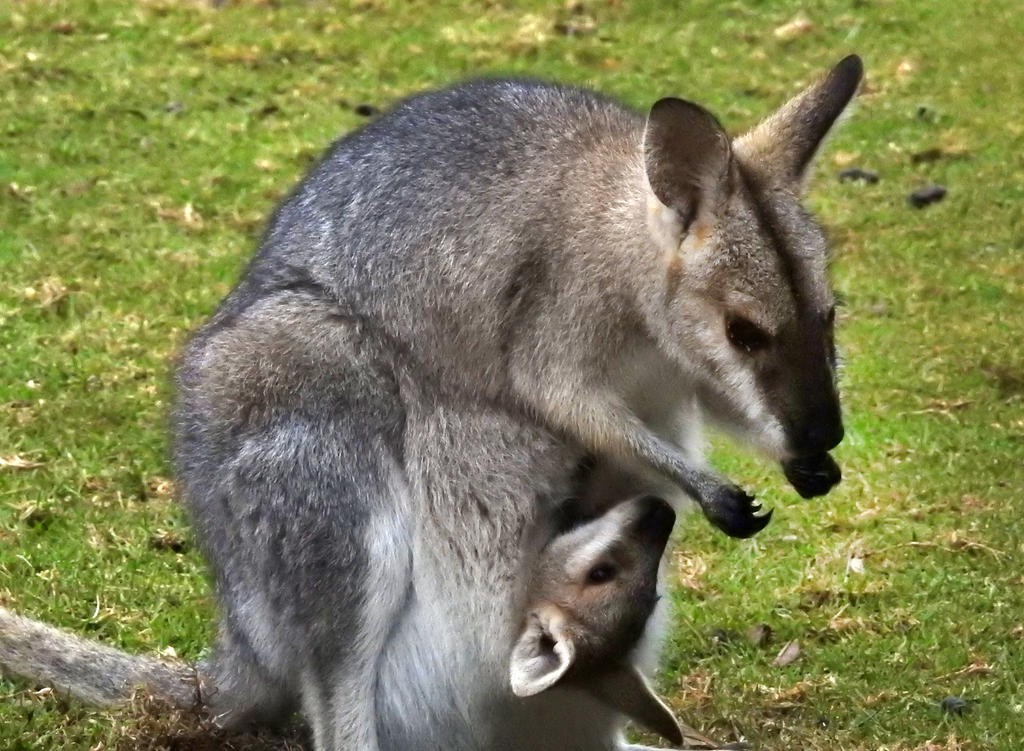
pixel 543 653
pixel 784 144
pixel 624 689
pixel 686 155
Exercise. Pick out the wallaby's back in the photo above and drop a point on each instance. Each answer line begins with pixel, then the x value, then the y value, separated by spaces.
pixel 445 223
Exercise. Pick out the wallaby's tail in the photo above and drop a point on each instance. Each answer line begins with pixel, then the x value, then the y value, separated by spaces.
pixel 88 671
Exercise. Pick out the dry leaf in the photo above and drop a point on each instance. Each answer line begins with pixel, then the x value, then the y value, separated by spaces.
pixel 532 31
pixel 690 570
pixel 793 29
pixel 788 698
pixel 694 690
pixel 159 487
pixel 53 291
pixel 880 698
pixel 33 515
pixel 694 739
pixel 977 666
pixel 788 654
pixel 21 192
pixel 13 461
pixel 168 539
pixel 186 215
pixel 842 624
pixel 579 25
pixel 973 503
pixel 957 542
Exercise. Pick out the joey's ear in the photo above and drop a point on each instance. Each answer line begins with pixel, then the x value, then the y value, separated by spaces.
pixel 686 155
pixel 624 689
pixel 784 144
pixel 543 653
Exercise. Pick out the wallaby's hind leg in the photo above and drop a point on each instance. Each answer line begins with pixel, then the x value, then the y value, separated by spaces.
pixel 354 710
pixel 236 691
pixel 290 446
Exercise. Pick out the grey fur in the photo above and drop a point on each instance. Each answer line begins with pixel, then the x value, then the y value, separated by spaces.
pixel 602 622
pixel 88 671
pixel 456 305
pixel 451 308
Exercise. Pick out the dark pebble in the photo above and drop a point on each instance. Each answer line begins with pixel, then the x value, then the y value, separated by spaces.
pixel 928 155
pixel 853 174
pixel 266 110
pixel 924 196
pixel 366 110
pixel 955 705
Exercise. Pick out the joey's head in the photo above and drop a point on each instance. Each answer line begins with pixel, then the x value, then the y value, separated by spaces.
pixel 592 592
pixel 739 296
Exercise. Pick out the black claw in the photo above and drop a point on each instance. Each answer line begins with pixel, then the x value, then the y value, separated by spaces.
pixel 735 512
pixel 812 476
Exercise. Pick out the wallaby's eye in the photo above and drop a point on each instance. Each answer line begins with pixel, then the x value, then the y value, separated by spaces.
pixel 601 573
pixel 746 335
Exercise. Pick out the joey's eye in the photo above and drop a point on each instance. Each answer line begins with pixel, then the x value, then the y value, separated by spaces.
pixel 746 335
pixel 601 573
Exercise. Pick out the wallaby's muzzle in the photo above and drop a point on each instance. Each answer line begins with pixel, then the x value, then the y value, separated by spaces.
pixel 812 472
pixel 812 476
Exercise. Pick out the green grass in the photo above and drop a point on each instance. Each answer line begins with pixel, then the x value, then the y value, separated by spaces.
pixel 142 144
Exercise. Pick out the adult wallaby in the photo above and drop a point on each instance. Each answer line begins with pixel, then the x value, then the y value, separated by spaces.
pixel 455 305
pixel 590 593
pixel 534 250
pixel 548 250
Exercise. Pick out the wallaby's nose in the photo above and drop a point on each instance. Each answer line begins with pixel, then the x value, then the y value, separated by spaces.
pixel 655 520
pixel 812 475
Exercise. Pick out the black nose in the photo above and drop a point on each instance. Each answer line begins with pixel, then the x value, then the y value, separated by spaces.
pixel 812 476
pixel 655 520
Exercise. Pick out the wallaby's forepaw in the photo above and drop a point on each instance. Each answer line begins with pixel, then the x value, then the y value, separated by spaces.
pixel 735 512
pixel 812 476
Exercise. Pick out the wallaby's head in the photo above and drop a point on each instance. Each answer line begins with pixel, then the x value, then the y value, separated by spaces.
pixel 740 296
pixel 592 591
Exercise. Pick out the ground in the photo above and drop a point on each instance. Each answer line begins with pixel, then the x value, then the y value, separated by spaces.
pixel 143 144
